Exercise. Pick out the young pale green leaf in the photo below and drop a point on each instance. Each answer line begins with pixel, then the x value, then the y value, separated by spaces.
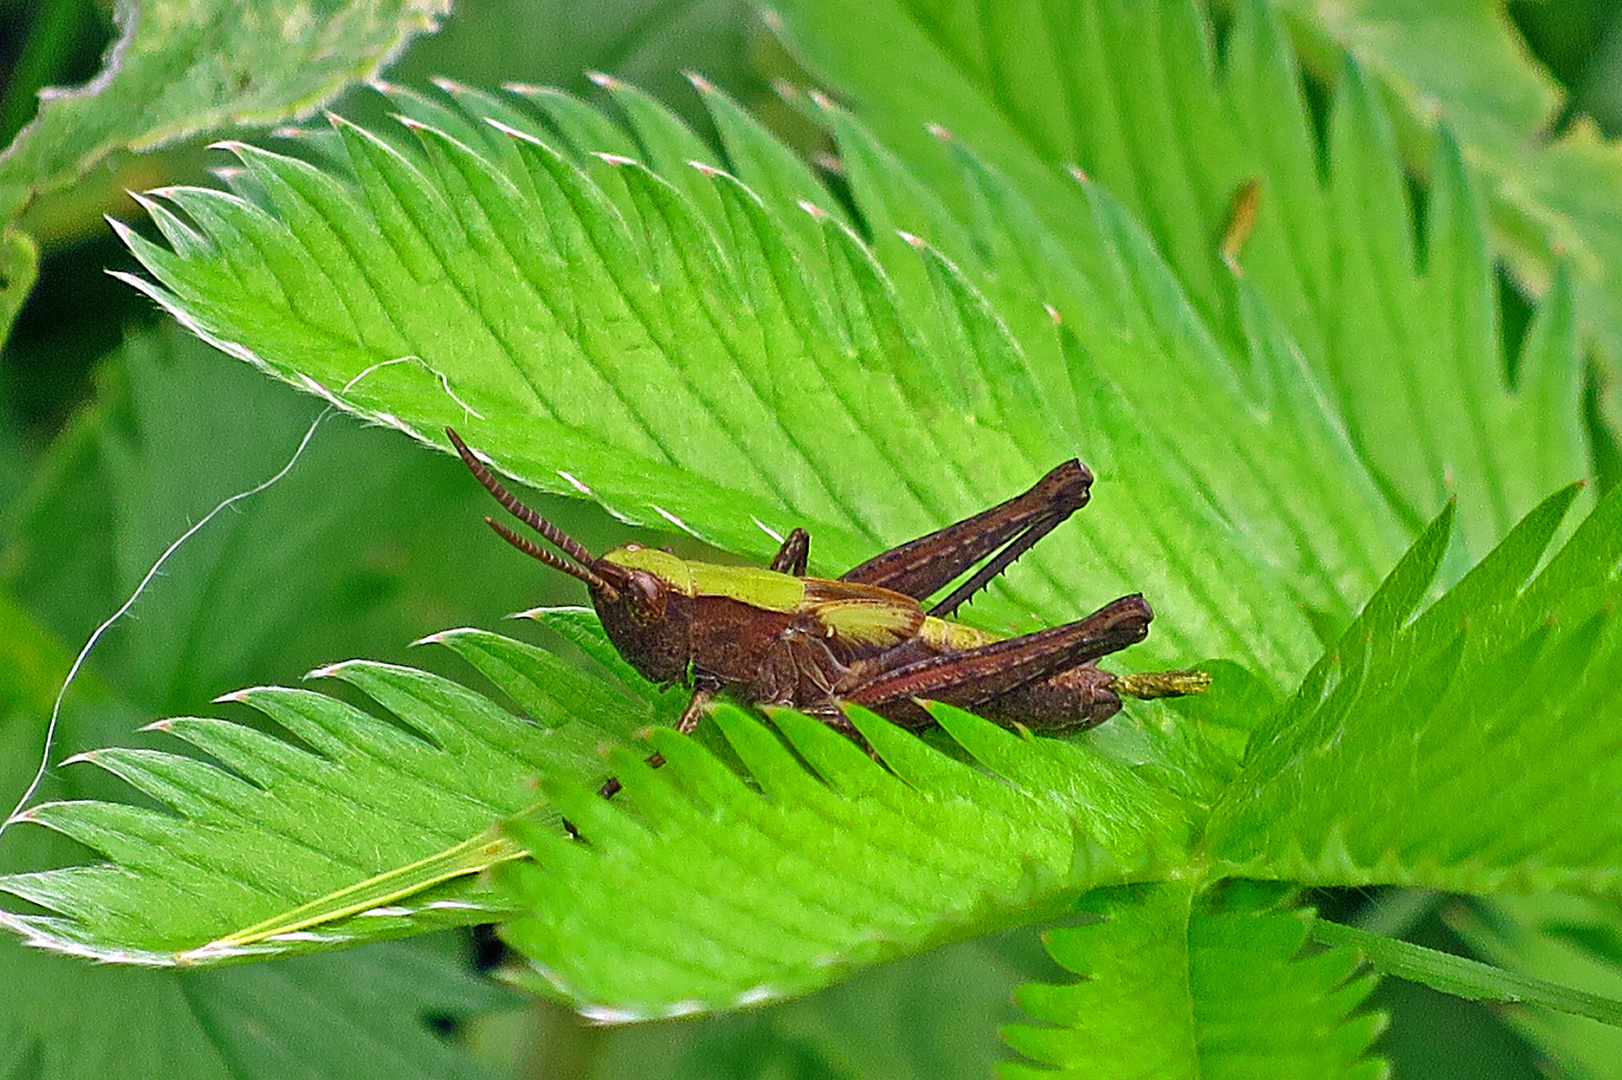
pixel 1406 347
pixel 1176 985
pixel 693 891
pixel 186 66
pixel 1464 749
pixel 366 830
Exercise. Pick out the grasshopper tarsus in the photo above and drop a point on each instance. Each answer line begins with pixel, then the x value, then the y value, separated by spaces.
pixel 1149 685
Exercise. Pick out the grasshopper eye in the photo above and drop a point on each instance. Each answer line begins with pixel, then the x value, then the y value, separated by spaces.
pixel 647 595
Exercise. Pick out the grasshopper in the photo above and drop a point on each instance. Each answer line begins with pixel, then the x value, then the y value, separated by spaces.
pixel 777 637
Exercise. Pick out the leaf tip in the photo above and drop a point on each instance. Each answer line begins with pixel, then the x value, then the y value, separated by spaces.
pixel 604 80
pixel 1078 174
pixel 166 726
pixel 700 83
pixel 91 756
pixel 668 516
pixel 912 238
pixel 448 84
pixel 619 160
pixel 821 100
pixel 123 231
pixel 506 129
pixel 816 212
pixel 939 131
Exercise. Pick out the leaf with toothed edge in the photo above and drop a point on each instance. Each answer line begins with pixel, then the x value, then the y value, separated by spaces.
pixel 366 829
pixel 734 364
pixel 712 895
pixel 713 319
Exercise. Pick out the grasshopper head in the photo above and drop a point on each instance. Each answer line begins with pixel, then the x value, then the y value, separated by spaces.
pixel 645 612
pixel 648 612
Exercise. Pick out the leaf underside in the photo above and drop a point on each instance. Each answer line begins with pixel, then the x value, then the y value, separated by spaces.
pixel 1179 985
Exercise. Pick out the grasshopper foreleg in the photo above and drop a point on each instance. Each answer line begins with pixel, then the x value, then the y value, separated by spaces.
pixel 704 689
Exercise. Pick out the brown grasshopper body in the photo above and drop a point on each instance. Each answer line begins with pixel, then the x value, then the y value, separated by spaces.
pixel 777 637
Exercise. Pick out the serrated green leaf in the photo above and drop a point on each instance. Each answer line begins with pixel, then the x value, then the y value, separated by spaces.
pixel 734 365
pixel 712 895
pixel 1478 702
pixel 183 67
pixel 1465 68
pixel 698 374
pixel 1138 97
pixel 190 65
pixel 369 829
pixel 1176 985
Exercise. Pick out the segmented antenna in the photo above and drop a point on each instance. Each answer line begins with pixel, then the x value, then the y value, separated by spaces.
pixel 529 547
pixel 550 532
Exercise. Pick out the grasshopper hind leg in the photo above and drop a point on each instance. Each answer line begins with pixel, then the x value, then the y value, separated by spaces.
pixel 1075 699
pixel 1009 670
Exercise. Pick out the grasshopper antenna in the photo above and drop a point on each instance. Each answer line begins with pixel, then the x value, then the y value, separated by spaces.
pixel 550 532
